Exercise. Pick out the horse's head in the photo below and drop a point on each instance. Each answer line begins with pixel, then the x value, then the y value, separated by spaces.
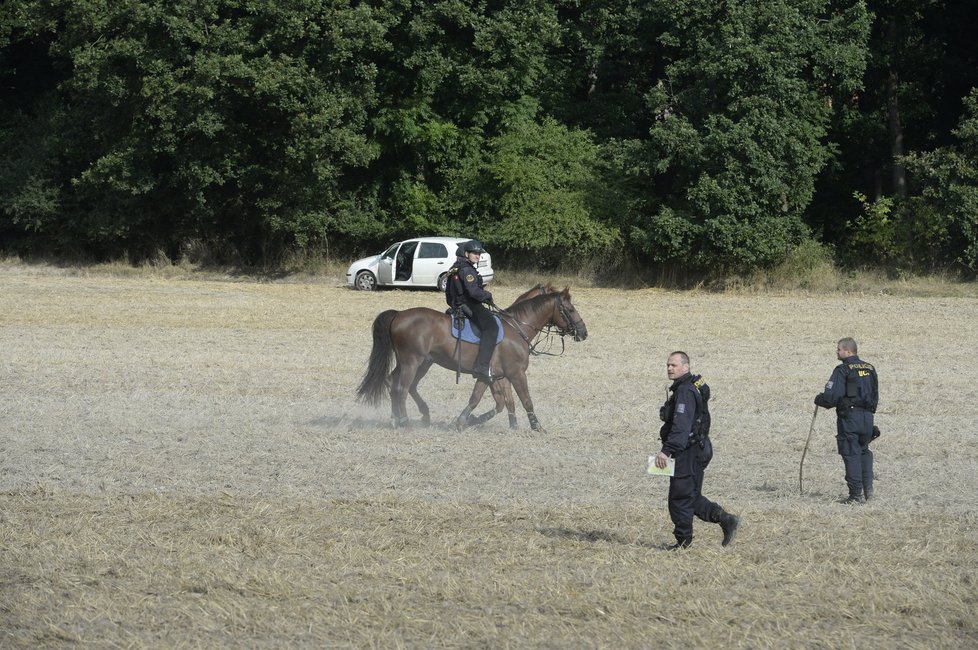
pixel 567 319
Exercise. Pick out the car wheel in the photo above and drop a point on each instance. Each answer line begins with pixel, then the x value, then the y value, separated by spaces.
pixel 443 282
pixel 365 281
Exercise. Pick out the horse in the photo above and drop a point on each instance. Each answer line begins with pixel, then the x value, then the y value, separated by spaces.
pixel 501 389
pixel 419 337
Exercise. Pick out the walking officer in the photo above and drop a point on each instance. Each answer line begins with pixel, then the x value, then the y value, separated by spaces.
pixel 853 391
pixel 465 292
pixel 685 436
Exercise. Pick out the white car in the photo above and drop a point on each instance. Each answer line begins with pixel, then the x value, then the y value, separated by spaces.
pixel 420 262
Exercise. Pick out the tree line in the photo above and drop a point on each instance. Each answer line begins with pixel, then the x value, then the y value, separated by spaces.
pixel 720 135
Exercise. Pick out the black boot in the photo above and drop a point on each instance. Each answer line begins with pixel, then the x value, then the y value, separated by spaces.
pixel 728 524
pixel 680 545
pixel 484 371
pixel 853 499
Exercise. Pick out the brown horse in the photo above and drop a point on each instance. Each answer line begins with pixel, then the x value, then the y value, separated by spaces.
pixel 501 389
pixel 418 337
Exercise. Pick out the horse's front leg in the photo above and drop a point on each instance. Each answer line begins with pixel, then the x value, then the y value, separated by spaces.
pixel 523 390
pixel 422 405
pixel 507 391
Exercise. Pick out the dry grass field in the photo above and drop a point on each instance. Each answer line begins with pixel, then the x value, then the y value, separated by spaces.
pixel 183 464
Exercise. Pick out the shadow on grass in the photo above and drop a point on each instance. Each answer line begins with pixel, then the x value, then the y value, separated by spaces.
pixel 595 536
pixel 374 423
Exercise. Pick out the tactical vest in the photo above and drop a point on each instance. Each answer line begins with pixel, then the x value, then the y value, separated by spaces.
pixel 701 425
pixel 861 385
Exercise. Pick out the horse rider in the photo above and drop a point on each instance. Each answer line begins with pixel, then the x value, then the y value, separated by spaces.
pixel 465 293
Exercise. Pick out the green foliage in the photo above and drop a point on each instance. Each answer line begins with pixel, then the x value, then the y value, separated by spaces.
pixel 936 226
pixel 875 233
pixel 944 214
pixel 201 119
pixel 701 137
pixel 740 125
pixel 27 195
pixel 541 187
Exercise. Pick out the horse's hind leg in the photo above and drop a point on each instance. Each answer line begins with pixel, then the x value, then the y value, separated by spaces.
pixel 498 389
pixel 401 380
pixel 398 415
pixel 422 405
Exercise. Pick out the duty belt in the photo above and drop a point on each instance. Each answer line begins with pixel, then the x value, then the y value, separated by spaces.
pixel 695 440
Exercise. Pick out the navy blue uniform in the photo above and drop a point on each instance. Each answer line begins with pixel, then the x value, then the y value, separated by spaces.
pixel 465 288
pixel 691 448
pixel 853 391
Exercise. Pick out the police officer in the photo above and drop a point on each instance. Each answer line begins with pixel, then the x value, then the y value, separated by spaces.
pixel 853 391
pixel 685 437
pixel 466 292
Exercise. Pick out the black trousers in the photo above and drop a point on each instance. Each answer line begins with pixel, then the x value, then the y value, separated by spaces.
pixel 686 491
pixel 488 332
pixel 854 431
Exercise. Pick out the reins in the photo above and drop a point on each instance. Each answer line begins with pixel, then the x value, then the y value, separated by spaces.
pixel 546 332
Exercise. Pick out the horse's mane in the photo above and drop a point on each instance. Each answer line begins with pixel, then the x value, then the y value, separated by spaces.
pixel 524 307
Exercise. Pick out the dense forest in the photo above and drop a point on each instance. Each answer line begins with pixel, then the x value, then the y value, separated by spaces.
pixel 719 135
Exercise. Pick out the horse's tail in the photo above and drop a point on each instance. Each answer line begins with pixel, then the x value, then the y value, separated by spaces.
pixel 376 381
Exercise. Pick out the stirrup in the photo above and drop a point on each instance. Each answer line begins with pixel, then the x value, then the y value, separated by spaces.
pixel 487 375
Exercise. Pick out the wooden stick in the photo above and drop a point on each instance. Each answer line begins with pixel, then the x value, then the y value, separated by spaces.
pixel 801 465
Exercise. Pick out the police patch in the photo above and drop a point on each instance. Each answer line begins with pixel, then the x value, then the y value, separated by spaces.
pixel 470 278
pixel 828 385
pixel 680 408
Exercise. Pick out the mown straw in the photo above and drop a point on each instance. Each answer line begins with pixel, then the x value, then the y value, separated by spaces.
pixel 184 464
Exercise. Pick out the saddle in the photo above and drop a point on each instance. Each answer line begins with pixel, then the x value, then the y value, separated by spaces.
pixel 470 332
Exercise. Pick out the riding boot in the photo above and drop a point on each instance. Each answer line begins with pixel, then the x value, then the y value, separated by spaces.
pixel 680 545
pixel 484 372
pixel 483 363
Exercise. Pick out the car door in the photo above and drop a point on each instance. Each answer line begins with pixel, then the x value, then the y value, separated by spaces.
pixel 385 266
pixel 404 264
pixel 432 260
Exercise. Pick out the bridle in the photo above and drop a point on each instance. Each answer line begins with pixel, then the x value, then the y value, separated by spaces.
pixel 547 331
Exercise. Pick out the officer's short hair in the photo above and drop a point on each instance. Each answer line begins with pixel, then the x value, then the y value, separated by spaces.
pixel 682 355
pixel 848 343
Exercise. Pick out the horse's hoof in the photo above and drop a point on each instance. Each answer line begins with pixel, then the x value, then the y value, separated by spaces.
pixel 459 424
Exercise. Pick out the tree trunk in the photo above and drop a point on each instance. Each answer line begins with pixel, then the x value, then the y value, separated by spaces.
pixel 898 172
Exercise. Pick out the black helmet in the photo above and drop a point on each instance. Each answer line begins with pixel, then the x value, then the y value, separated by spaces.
pixel 473 246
